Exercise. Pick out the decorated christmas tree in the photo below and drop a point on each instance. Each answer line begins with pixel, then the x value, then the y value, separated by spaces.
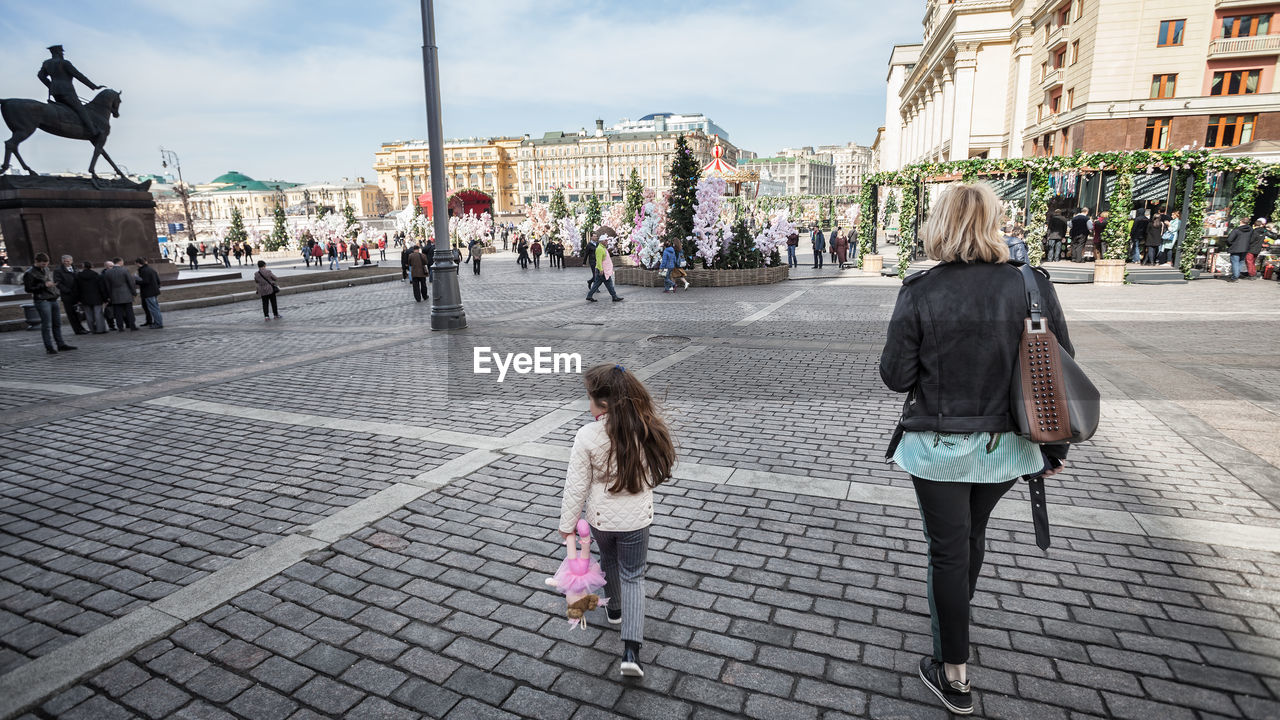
pixel 353 225
pixel 559 211
pixel 237 234
pixel 279 236
pixel 890 207
pixel 635 196
pixel 321 211
pixel 683 199
pixel 594 213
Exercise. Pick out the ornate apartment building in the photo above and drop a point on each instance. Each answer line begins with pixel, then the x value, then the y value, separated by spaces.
pixel 1021 78
pixel 803 171
pixel 600 162
pixel 518 171
pixel 488 164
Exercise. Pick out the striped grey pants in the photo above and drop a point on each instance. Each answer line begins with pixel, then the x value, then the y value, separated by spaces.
pixel 622 557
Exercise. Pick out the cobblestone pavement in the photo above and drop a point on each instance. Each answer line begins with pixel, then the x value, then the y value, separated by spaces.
pixel 333 516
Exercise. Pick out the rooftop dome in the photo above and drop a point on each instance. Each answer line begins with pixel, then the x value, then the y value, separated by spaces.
pixel 231 178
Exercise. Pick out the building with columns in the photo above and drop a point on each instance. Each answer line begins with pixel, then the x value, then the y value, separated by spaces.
pixel 586 163
pixel 1016 78
pixel 487 164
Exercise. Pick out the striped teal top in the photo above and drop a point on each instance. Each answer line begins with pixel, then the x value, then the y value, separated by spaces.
pixel 968 457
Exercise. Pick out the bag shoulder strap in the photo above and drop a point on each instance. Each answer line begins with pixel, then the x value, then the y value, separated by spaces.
pixel 1035 306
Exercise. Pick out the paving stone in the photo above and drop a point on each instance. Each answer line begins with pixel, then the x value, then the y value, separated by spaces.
pixel 282 674
pixel 327 659
pixel 217 685
pixel 262 703
pixel 374 708
pixel 328 696
pixel 156 698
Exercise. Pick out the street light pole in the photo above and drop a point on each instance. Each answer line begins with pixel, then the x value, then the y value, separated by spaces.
pixel 446 300
pixel 183 191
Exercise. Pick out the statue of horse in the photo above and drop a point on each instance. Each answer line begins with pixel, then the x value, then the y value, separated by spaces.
pixel 24 117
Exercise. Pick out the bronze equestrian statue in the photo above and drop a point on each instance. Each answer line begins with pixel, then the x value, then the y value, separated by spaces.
pixel 63 116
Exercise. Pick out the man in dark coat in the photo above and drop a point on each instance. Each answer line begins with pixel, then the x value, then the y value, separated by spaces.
pixel 65 277
pixel 121 289
pixel 1057 233
pixel 1259 235
pixel 149 288
pixel 192 252
pixel 1138 234
pixel 89 285
pixel 1238 245
pixel 1079 233
pixel 418 274
pixel 819 248
pixel 38 282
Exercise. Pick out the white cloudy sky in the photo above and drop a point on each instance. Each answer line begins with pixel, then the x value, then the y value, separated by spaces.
pixel 305 90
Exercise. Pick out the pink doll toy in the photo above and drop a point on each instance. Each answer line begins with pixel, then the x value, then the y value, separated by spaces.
pixel 579 577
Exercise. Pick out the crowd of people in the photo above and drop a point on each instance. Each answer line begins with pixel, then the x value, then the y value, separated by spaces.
pixel 94 302
pixel 340 251
pixel 222 253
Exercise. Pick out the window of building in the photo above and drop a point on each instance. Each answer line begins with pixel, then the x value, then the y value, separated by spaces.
pixel 1079 9
pixel 1170 33
pixel 1060 58
pixel 1235 82
pixel 1164 86
pixel 1246 25
pixel 1157 137
pixel 1228 130
pixel 1064 14
pixel 1071 98
pixel 1075 52
pixel 1044 71
pixel 1055 102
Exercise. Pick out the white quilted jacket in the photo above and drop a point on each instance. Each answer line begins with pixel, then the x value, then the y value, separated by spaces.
pixel 588 480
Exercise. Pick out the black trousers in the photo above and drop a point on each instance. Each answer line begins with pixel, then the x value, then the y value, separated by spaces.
pixel 419 288
pixel 124 316
pixel 955 522
pixel 270 300
pixel 475 264
pixel 73 316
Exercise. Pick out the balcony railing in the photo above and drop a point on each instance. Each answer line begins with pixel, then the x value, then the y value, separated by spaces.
pixel 1053 79
pixel 1240 46
pixel 1059 35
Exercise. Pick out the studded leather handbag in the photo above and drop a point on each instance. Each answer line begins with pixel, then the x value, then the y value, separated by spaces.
pixel 1051 398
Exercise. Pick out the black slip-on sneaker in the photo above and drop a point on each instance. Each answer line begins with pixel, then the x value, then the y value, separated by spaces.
pixel 954 694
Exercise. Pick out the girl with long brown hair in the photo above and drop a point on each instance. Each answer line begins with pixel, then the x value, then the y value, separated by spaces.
pixel 615 463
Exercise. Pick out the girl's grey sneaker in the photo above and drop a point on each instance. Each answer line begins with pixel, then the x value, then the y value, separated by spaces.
pixel 631 660
pixel 954 694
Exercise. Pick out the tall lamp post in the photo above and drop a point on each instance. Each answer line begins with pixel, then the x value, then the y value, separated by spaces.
pixel 446 300
pixel 167 157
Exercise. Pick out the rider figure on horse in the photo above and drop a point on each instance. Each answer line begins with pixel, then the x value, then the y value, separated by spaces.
pixel 58 74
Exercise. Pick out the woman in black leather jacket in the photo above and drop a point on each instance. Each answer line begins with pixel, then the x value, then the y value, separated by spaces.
pixel 953 346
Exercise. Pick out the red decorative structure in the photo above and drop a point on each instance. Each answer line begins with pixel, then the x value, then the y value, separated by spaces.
pixel 471 202
pixel 730 174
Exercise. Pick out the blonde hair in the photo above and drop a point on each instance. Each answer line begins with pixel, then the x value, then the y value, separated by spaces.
pixel 965 226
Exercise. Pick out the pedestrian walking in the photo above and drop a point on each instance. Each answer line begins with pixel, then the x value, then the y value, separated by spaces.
pixel 238 251
pixel 615 464
pixel 364 254
pixel 38 282
pixel 248 254
pixel 831 242
pixel 603 274
pixel 226 254
pixel 956 435
pixel 317 254
pixel 536 251
pixel 1138 235
pixel 268 286
pixel 475 260
pixel 522 253
pixel 121 289
pixel 1057 227
pixel 1152 239
pixel 1257 238
pixel 334 262
pixel 69 292
pixel 418 274
pixel 89 286
pixel 430 254
pixel 149 289
pixel 841 249
pixel 819 248
pixel 793 242
pixel 666 266
pixel 1238 245
pixel 1169 239
pixel 382 248
pixel 192 252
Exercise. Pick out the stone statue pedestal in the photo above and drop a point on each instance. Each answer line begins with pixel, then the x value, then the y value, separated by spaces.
pixel 88 219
